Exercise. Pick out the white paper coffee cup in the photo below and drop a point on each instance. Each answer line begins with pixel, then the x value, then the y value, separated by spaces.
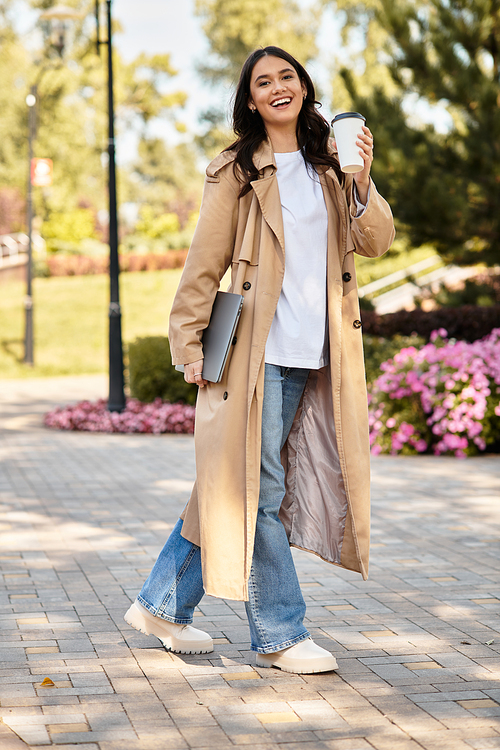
pixel 346 127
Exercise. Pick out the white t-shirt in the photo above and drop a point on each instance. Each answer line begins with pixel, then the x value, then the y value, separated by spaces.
pixel 297 336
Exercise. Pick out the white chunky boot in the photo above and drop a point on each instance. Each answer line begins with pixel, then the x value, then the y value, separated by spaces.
pixel 305 657
pixel 181 639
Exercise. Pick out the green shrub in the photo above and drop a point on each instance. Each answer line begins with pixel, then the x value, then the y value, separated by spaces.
pixel 152 374
pixel 65 230
pixel 366 304
pixel 468 323
pixel 41 268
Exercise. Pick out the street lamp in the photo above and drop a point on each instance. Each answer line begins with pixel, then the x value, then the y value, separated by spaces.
pixel 116 400
pixel 57 15
pixel 60 14
pixel 28 300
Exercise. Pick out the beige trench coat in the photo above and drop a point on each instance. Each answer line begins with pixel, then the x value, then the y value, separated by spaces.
pixel 326 457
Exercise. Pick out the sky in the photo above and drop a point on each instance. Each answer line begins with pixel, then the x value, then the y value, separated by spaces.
pixel 166 26
pixel 171 26
pixel 159 26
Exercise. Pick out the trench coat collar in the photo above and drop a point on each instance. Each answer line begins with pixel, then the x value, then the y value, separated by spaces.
pixel 265 187
pixel 264 156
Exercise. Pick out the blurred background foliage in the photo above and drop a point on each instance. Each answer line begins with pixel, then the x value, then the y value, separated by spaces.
pixel 72 131
pixel 398 63
pixel 234 28
pixel 443 185
pixel 425 73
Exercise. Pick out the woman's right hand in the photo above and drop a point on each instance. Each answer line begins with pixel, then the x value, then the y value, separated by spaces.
pixel 193 373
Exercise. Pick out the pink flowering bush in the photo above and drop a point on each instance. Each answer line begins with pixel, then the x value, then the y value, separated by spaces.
pixel 93 416
pixel 443 398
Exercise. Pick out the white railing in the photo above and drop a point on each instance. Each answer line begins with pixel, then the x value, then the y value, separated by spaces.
pixel 393 278
pixel 14 248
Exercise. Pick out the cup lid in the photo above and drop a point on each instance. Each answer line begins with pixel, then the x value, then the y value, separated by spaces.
pixel 343 115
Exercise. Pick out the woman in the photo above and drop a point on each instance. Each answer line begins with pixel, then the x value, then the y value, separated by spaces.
pixel 282 441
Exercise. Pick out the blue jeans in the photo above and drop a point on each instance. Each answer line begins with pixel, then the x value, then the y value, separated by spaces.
pixel 276 607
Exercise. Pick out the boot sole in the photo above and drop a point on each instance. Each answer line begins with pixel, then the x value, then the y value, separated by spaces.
pixel 302 666
pixel 140 622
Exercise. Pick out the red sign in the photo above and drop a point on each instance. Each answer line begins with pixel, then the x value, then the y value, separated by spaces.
pixel 41 172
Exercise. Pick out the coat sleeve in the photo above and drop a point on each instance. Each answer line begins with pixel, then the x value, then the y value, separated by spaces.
pixel 373 231
pixel 208 259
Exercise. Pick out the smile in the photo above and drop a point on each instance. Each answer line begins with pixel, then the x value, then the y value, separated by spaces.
pixel 281 102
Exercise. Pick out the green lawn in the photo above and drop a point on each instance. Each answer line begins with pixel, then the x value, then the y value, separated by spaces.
pixel 71 324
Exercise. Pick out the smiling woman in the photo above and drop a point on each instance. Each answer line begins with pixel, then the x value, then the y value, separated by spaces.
pixel 278 211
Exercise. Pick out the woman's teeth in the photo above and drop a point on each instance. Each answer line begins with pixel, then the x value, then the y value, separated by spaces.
pixel 281 101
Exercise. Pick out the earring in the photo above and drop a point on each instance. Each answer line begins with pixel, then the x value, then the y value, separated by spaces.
pixel 253 110
pixel 304 97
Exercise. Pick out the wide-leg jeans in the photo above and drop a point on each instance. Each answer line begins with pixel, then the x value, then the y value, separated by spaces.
pixel 276 607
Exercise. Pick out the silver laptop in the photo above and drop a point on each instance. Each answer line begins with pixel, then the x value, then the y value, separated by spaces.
pixel 219 334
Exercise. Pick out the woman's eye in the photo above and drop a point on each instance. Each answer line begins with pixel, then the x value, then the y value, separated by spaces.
pixel 263 83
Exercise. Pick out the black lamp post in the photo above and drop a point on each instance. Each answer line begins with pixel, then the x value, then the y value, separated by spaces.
pixel 116 400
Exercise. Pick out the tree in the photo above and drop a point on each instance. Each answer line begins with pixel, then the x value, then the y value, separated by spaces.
pixel 167 179
pixel 72 112
pixel 234 28
pixel 14 67
pixel 444 187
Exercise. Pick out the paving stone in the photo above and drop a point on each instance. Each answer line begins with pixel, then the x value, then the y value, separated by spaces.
pixel 206 737
pixel 388 742
pixel 9 740
pixel 78 737
pixel 147 742
pixel 239 725
pixel 356 743
pixel 405 681
pixel 193 717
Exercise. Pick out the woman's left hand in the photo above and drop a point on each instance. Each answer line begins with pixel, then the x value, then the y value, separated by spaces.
pixel 362 179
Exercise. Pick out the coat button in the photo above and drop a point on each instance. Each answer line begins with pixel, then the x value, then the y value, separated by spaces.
pixel 225 396
pixel 357 324
pixel 346 277
pixel 246 286
pixel 235 339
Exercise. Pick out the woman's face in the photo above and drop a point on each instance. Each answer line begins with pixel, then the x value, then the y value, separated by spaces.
pixel 276 91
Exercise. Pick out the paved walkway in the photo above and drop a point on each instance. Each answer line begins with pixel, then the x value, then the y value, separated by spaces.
pixel 82 519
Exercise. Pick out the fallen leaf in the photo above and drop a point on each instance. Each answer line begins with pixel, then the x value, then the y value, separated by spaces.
pixel 465 643
pixel 488 643
pixel 47 682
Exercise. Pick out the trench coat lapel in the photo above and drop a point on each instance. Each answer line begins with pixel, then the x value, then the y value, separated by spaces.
pixel 267 192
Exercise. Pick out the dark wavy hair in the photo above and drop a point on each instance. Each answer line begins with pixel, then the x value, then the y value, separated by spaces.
pixel 313 130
